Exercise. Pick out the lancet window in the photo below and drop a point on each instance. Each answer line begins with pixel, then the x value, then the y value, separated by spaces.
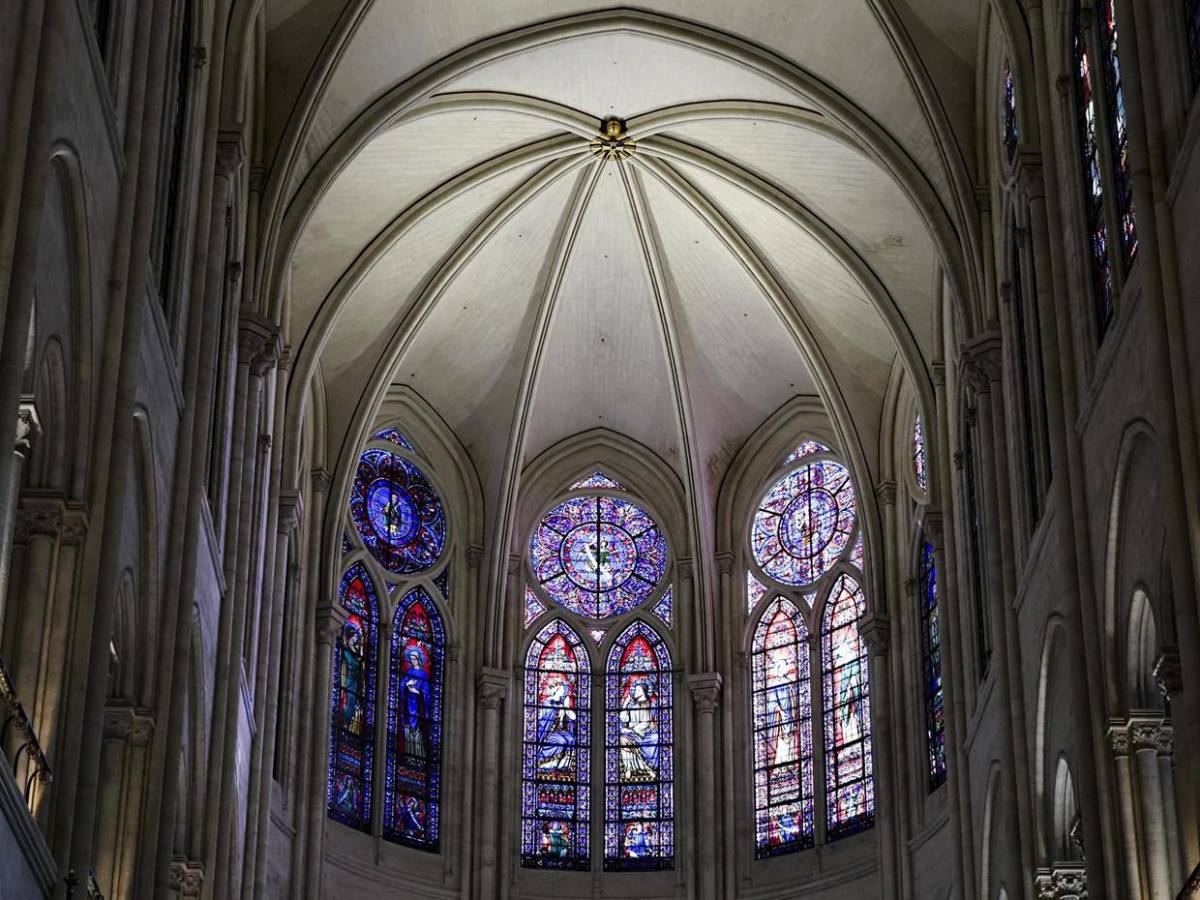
pixel 397 568
pixel 931 668
pixel 598 563
pixel 810 680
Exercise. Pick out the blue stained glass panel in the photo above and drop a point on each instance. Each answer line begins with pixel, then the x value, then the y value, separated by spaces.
pixel 918 455
pixel 597 480
pixel 639 815
pixel 598 556
pixel 784 808
pixel 665 607
pixel 754 592
pixel 805 523
pixel 1191 12
pixel 397 512
pixel 397 437
pixel 533 606
pixel 1012 129
pixel 931 655
pixel 443 582
pixel 1085 90
pixel 352 725
pixel 412 795
pixel 849 764
pixel 555 757
pixel 807 448
pixel 1118 135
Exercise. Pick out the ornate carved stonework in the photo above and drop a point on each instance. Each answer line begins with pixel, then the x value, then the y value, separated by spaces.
pixel 1118 739
pixel 706 691
pixel 1061 883
pixel 1152 734
pixel 491 686
pixel 37 519
pixel 876 631
pixel 259 343
pixel 320 481
pixel 474 557
pixel 686 569
pixel 186 878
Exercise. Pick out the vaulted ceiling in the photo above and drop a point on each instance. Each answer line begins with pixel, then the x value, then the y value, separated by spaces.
pixel 791 182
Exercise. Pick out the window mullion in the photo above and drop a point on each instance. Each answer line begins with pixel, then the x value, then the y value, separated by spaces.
pixel 383 697
pixel 816 695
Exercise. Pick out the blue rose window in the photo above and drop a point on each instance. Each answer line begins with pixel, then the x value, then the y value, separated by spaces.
pixel 598 556
pixel 805 522
pixel 397 512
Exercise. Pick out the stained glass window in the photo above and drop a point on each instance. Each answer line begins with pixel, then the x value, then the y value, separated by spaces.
pixel 397 437
pixel 597 480
pixel 849 766
pixel 1012 130
pixel 352 731
pixel 857 554
pixel 918 455
pixel 413 788
pixel 783 754
pixel 443 582
pixel 639 829
pixel 598 556
pixel 397 512
pixel 597 634
pixel 556 767
pixel 665 607
pixel 1118 134
pixel 805 522
pixel 1191 12
pixel 806 448
pixel 1085 90
pixel 533 606
pixel 931 657
pixel 754 592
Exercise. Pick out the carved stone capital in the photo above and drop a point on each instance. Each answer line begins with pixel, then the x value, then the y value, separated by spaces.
pixel 474 557
pixel 514 565
pixel 124 723
pixel 74 527
pixel 330 620
pixel 37 519
pixel 1030 178
pixel 706 691
pixel 231 152
pixel 320 481
pixel 886 492
pixel 491 687
pixel 1005 289
pixel 935 530
pixel 983 361
pixel 1155 734
pixel 29 426
pixel 1118 738
pixel 686 568
pixel 291 508
pixel 186 878
pixel 1167 672
pixel 259 343
pixel 1061 883
pixel 876 631
pixel 724 563
pixel 937 374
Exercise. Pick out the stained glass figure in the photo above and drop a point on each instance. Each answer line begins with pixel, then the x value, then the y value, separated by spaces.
pixel 533 606
pixel 412 795
pixel 805 523
pixel 352 729
pixel 597 480
pixel 931 656
pixel 807 448
pixel 1012 130
pixel 849 765
pixel 1118 135
pixel 918 455
pixel 784 808
pixel 639 815
pixel 755 591
pixel 397 512
pixel 598 556
pixel 1191 12
pixel 1085 95
pixel 556 759
pixel 443 582
pixel 396 436
pixel 665 607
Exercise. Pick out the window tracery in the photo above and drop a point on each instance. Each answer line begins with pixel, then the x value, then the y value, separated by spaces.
pixel 397 513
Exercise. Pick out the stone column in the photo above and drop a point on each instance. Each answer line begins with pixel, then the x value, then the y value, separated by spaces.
pixel 876 631
pixel 1168 672
pixel 37 527
pixel 29 426
pixel 1148 736
pixel 734 832
pixel 706 694
pixel 491 688
pixel 1118 741
pixel 330 620
pixel 122 781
